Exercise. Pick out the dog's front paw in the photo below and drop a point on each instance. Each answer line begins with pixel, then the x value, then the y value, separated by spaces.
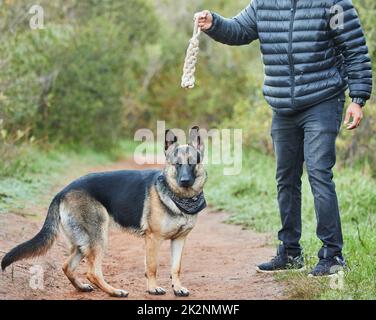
pixel 158 291
pixel 118 293
pixel 181 292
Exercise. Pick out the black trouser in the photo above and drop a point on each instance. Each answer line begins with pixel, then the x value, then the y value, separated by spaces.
pixel 308 136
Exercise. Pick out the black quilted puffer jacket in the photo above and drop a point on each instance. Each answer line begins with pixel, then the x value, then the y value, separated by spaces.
pixel 309 55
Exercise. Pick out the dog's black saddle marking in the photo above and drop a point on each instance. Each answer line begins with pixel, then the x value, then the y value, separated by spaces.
pixel 123 193
pixel 186 205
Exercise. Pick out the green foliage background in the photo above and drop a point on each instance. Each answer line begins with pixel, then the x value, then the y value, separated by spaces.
pixel 103 68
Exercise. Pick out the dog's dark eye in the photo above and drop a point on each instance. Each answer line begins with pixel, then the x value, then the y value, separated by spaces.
pixel 192 162
pixel 194 159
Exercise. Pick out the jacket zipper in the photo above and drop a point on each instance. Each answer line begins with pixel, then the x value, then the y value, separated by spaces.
pixel 291 60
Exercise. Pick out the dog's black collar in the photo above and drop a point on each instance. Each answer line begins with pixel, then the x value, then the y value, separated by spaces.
pixel 187 205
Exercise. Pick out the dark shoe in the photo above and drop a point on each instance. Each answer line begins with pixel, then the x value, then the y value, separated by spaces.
pixel 282 262
pixel 328 267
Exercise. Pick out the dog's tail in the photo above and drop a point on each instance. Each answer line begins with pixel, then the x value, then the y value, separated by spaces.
pixel 41 242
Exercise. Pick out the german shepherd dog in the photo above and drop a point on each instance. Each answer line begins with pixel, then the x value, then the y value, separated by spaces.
pixel 156 204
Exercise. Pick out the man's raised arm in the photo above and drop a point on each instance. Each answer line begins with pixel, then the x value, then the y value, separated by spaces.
pixel 236 31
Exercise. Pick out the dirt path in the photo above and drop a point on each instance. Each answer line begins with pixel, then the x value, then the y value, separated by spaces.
pixel 218 262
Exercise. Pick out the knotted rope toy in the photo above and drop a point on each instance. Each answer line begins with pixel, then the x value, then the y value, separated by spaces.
pixel 188 78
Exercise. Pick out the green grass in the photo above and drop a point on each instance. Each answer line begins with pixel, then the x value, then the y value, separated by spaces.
pixel 251 196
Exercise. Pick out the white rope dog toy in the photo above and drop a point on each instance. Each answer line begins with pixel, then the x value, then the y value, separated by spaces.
pixel 188 78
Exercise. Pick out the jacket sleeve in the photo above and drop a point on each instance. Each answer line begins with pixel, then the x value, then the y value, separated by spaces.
pixel 236 31
pixel 349 38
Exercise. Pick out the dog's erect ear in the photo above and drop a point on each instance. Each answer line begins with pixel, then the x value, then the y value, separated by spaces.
pixel 195 139
pixel 170 139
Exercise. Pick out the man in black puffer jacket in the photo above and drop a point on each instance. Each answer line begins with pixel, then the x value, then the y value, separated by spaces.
pixel 312 51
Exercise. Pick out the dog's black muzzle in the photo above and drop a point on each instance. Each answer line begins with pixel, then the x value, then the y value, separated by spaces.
pixel 185 175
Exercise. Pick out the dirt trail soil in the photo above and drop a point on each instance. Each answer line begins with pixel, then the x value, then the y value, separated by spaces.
pixel 218 261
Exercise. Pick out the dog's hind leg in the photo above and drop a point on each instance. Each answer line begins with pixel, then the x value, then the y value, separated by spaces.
pixel 95 274
pixel 85 222
pixel 152 244
pixel 69 268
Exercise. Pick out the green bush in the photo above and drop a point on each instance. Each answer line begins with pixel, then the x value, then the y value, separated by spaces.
pixel 67 83
pixel 103 68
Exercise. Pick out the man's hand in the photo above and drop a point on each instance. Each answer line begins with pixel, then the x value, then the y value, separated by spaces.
pixel 205 19
pixel 355 112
